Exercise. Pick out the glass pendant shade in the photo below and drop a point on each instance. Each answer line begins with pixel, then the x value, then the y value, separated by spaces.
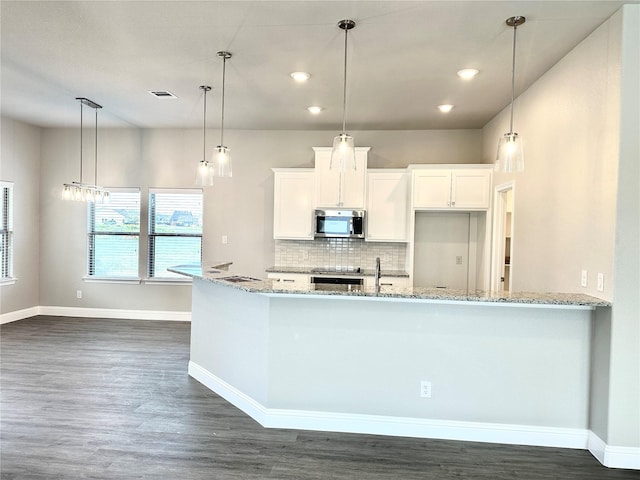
pixel 204 174
pixel 343 154
pixel 222 162
pixel 510 156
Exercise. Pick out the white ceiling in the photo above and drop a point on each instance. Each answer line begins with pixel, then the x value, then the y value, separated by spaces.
pixel 403 58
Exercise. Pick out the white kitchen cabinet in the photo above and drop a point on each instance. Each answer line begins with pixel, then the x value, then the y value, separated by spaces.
pixel 293 203
pixel 398 282
pixel 387 205
pixel 336 189
pixel 447 187
pixel 298 279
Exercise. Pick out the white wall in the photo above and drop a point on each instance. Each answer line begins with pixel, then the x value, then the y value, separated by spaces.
pixel 20 163
pixel 240 208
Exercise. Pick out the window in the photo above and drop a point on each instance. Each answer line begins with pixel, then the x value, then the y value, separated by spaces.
pixel 175 230
pixel 6 230
pixel 114 235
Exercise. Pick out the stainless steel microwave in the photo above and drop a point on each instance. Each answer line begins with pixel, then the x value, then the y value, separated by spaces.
pixel 339 223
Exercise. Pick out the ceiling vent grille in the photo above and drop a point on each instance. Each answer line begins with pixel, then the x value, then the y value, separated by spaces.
pixel 161 93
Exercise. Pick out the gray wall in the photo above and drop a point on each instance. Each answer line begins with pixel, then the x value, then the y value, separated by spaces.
pixel 577 205
pixel 240 208
pixel 20 163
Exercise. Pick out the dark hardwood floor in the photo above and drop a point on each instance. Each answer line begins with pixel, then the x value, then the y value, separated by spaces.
pixel 111 399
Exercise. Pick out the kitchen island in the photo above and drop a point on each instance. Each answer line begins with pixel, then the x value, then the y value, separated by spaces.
pixel 417 362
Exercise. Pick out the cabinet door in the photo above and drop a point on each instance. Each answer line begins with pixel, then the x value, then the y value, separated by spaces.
pixel 354 182
pixel 387 207
pixel 328 181
pixel 340 189
pixel 293 205
pixel 431 189
pixel 470 189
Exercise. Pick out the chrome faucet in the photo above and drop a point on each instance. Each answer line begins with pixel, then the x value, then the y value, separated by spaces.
pixel 377 276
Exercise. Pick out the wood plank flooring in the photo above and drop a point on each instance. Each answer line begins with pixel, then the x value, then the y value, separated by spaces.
pixel 111 399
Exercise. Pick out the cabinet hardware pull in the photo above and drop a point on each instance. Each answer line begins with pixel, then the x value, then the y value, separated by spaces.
pixel 288 280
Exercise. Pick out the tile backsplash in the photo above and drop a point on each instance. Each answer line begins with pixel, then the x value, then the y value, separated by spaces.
pixel 340 253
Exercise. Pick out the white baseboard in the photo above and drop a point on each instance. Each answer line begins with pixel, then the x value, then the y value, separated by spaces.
pixel 612 456
pixel 19 315
pixel 392 426
pixel 95 313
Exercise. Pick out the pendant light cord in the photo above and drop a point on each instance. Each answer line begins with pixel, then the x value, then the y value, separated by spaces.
pixel 204 126
pixel 344 88
pixel 224 68
pixel 513 77
pixel 81 110
pixel 95 167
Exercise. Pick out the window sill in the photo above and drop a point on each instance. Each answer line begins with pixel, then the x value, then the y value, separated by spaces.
pixel 168 281
pixel 130 281
pixel 8 281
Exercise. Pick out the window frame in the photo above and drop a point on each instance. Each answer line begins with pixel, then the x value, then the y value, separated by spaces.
pixel 92 234
pixel 152 235
pixel 7 233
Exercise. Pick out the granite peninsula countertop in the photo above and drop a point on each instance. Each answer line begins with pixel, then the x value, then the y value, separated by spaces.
pixel 346 271
pixel 272 287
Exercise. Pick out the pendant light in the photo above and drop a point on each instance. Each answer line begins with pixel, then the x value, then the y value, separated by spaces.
pixel 204 175
pixel 81 191
pixel 510 156
pixel 222 155
pixel 343 154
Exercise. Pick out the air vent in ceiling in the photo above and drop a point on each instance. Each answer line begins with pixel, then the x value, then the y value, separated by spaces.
pixel 161 93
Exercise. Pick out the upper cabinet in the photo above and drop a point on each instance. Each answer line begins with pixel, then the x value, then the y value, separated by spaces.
pixel 387 201
pixel 293 203
pixel 451 187
pixel 340 189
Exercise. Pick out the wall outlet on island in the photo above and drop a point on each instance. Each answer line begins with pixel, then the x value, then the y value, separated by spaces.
pixel 425 389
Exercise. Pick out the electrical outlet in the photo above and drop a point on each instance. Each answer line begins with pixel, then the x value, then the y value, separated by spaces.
pixel 600 282
pixel 425 389
pixel 305 254
pixel 583 278
pixel 78 293
pixel 225 240
pixel 459 260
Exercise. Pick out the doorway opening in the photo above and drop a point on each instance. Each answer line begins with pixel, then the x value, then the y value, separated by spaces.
pixel 502 245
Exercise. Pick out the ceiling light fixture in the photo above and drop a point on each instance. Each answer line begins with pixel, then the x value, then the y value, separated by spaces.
pixel 510 156
pixel 300 76
pixel 343 154
pixel 467 73
pixel 204 175
pixel 445 108
pixel 222 155
pixel 315 109
pixel 83 191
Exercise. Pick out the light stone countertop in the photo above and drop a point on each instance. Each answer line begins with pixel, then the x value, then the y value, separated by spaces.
pixel 272 287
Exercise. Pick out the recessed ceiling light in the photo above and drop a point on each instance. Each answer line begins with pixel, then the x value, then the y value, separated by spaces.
pixel 161 93
pixel 467 73
pixel 314 109
pixel 300 76
pixel 446 108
